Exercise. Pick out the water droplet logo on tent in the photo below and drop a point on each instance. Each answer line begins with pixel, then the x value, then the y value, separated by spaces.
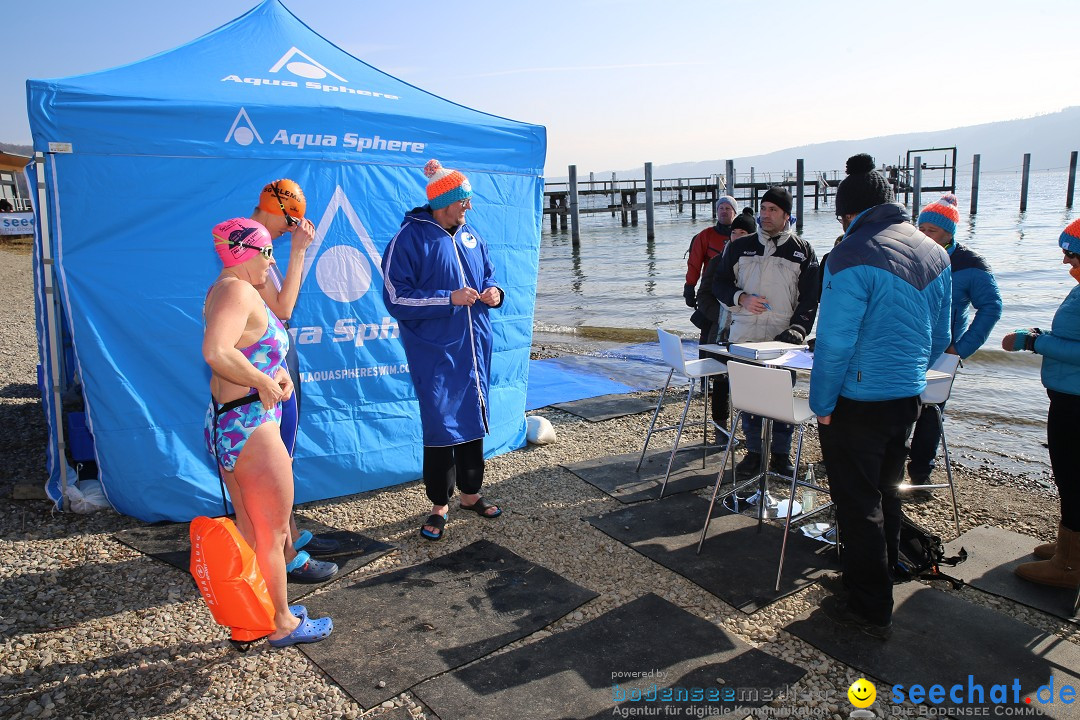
pixel 342 272
pixel 243 131
pixel 303 65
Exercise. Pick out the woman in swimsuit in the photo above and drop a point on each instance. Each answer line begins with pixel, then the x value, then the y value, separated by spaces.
pixel 245 346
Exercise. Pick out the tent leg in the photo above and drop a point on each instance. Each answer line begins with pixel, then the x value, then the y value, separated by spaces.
pixel 53 325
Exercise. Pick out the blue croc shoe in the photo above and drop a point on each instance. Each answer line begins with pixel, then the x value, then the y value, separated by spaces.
pixel 304 569
pixel 308 631
pixel 317 544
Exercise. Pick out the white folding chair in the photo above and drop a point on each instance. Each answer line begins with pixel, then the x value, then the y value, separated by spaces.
pixel 769 393
pixel 693 370
pixel 937 391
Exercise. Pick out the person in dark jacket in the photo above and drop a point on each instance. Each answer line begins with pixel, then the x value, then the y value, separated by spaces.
pixel 715 317
pixel 973 285
pixel 884 318
pixel 439 283
pixel 770 279
pixel 1059 563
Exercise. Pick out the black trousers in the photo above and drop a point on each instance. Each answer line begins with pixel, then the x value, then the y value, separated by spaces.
pixel 718 388
pixel 450 465
pixel 864 448
pixel 1061 424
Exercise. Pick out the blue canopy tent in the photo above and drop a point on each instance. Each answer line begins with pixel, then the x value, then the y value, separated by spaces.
pixel 136 164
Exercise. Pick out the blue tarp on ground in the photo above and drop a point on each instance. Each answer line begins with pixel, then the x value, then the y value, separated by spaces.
pixel 144 159
pixel 625 369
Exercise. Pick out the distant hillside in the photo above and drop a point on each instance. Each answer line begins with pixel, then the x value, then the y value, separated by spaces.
pixel 1049 138
pixel 27 150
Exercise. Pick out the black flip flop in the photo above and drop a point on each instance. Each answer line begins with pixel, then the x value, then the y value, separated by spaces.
pixel 436 521
pixel 480 507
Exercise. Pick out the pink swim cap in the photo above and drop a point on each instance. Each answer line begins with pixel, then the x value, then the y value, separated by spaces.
pixel 238 240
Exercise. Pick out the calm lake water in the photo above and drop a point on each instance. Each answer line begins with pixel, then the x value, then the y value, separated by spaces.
pixel 619 287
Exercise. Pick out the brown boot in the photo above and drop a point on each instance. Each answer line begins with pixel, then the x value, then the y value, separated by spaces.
pixel 1047 550
pixel 1062 570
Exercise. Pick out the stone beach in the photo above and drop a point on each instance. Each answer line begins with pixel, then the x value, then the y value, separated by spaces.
pixel 91 628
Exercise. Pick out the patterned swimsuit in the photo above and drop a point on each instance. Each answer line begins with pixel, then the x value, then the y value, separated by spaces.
pixel 228 426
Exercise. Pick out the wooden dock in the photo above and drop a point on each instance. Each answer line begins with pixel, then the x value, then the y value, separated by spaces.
pixel 624 197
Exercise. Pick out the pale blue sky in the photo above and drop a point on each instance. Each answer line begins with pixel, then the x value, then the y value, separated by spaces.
pixel 621 82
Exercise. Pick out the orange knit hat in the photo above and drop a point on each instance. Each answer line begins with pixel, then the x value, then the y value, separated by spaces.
pixel 445 186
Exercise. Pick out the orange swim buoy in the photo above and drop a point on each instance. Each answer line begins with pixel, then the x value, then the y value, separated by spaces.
pixel 229 579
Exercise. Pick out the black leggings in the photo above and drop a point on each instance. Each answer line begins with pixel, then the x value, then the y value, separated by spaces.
pixel 446 466
pixel 1061 423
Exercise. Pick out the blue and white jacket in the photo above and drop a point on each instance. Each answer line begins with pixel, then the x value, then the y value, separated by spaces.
pixel 973 285
pixel 885 310
pixel 448 346
pixel 1060 347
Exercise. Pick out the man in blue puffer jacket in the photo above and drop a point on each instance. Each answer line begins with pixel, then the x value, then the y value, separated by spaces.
pixel 439 283
pixel 884 318
pixel 973 286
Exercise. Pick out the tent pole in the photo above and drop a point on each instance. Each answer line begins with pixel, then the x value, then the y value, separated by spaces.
pixel 53 325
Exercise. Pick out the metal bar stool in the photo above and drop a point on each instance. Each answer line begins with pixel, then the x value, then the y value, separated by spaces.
pixel 769 393
pixel 694 371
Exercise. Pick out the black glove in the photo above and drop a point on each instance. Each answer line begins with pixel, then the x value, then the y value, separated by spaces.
pixel 792 335
pixel 700 320
pixel 689 295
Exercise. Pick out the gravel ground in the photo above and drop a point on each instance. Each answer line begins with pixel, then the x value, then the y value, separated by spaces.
pixel 90 628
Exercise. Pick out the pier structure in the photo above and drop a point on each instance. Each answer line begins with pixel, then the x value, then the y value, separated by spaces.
pixel 565 201
pixel 913 174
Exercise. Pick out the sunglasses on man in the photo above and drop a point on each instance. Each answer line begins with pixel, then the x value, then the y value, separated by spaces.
pixel 1070 255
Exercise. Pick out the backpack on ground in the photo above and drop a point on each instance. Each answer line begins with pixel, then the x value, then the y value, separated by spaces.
pixel 921 555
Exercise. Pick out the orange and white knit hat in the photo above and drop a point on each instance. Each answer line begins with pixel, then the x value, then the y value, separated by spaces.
pixel 445 186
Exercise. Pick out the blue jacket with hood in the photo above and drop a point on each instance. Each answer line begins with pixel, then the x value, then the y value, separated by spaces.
pixel 448 346
pixel 885 309
pixel 973 285
pixel 1060 347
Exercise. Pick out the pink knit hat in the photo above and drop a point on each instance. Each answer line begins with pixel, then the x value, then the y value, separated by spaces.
pixel 238 240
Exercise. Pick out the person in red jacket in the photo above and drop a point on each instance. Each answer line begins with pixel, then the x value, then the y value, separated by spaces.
pixel 707 244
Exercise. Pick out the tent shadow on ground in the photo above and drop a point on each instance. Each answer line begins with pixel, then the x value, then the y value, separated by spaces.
pixel 21 391
pixel 150 681
pixel 91 591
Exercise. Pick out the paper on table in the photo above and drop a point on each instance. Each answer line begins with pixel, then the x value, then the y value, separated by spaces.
pixel 794 359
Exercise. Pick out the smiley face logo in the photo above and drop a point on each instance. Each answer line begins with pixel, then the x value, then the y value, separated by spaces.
pixel 862 693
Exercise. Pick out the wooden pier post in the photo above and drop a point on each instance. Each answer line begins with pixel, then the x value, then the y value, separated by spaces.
pixel 554 213
pixel 916 191
pixel 753 187
pixel 799 192
pixel 729 171
pixel 1024 182
pixel 1072 179
pixel 975 162
pixel 614 196
pixel 633 206
pixel 563 200
pixel 693 204
pixel 575 236
pixel 649 234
